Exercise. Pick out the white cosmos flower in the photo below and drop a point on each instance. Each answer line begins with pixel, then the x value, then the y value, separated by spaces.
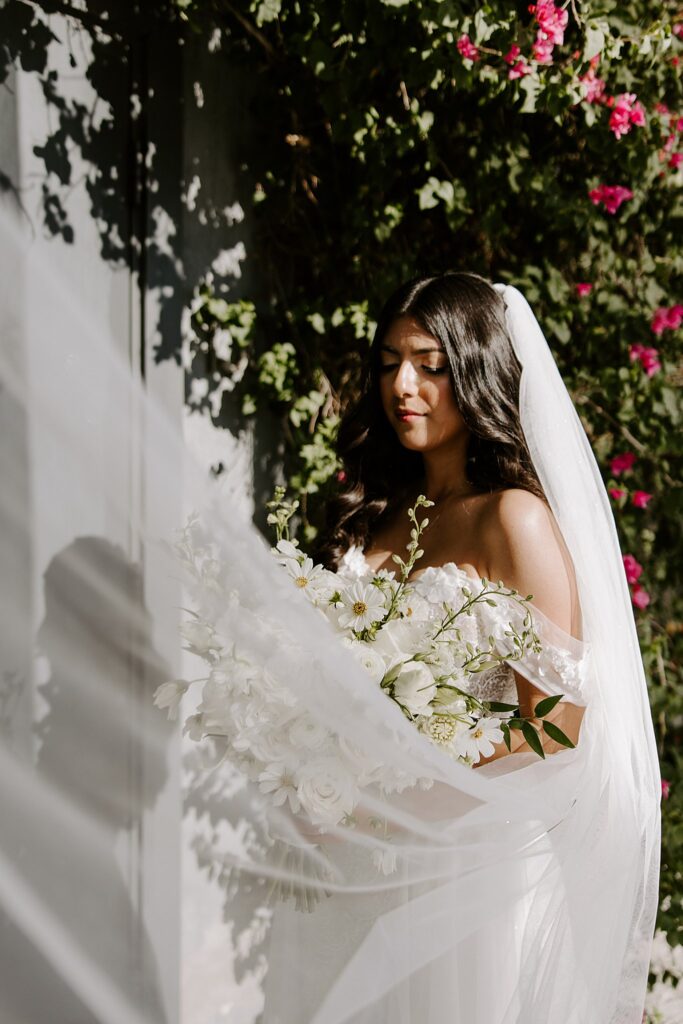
pixel 278 781
pixel 169 695
pixel 326 790
pixel 288 550
pixel 478 741
pixel 415 688
pixel 307 576
pixel 363 604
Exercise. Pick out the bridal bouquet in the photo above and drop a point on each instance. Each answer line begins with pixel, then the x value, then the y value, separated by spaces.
pixel 423 642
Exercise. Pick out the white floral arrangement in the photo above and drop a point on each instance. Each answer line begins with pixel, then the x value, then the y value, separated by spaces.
pixel 419 641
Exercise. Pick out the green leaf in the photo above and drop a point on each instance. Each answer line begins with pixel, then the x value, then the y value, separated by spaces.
pixel 532 738
pixel 506 735
pixel 546 705
pixel 497 705
pixel 557 734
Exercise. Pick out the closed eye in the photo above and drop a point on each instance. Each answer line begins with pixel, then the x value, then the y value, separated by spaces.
pixel 435 370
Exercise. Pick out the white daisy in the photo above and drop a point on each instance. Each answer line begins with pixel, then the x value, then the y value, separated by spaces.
pixel 478 741
pixel 363 605
pixel 304 575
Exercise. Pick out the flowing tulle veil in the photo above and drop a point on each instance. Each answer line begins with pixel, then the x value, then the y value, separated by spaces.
pixel 560 855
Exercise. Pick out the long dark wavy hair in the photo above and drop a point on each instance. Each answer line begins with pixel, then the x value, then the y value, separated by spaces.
pixel 467 315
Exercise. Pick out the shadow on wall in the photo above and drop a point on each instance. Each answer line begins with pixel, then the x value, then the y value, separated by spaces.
pixel 101 762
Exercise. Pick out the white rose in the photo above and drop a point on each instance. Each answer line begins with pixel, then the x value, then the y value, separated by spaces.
pixel 398 639
pixel 370 659
pixel 307 733
pixel 415 688
pixel 326 790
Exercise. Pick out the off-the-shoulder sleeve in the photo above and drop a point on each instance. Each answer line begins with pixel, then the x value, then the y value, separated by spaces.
pixel 562 664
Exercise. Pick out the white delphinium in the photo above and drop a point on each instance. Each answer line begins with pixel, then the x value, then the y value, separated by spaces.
pixel 363 604
pixel 414 688
pixel 442 584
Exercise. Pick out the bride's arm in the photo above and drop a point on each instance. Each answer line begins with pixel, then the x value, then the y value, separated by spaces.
pixel 524 548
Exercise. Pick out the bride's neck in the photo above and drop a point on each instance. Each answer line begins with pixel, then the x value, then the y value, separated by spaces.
pixel 444 474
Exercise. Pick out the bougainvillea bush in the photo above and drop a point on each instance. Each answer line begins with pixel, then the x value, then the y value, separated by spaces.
pixel 540 144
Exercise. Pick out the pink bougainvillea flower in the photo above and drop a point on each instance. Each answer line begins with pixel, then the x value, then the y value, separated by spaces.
pixel 666 786
pixel 678 126
pixel 667 317
pixel 552 20
pixel 622 463
pixel 675 160
pixel 617 493
pixel 467 49
pixel 661 108
pixel 647 357
pixel 640 596
pixel 641 499
pixel 611 196
pixel 543 49
pixel 626 113
pixel 633 568
pixel 512 54
pixel 593 87
pixel 341 476
pixel 519 69
pixel 583 288
pixel 678 29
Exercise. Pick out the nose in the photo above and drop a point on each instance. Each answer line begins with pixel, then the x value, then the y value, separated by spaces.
pixel 406 381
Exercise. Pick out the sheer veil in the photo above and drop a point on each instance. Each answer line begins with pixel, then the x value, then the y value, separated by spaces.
pixel 542 875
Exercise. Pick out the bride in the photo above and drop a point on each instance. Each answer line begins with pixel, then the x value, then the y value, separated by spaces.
pixel 542 905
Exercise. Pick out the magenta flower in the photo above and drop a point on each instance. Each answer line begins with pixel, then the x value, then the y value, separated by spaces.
pixel 647 357
pixel 627 111
pixel 666 786
pixel 519 69
pixel 593 87
pixel 675 160
pixel 543 49
pixel 641 499
pixel 622 463
pixel 512 54
pixel 633 568
pixel 467 49
pixel 552 20
pixel 341 476
pixel 617 493
pixel 583 288
pixel 611 196
pixel 640 596
pixel 670 318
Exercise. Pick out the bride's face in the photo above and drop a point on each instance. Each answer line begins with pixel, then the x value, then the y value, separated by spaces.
pixel 416 389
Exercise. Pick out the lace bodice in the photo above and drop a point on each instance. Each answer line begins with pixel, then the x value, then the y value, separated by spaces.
pixel 561 667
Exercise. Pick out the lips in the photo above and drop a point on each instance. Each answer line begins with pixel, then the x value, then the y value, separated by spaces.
pixel 407 414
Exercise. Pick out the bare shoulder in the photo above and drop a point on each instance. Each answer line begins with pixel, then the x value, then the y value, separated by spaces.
pixel 525 549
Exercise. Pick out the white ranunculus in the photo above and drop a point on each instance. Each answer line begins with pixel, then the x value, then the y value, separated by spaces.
pixel 415 688
pixel 169 695
pixel 326 790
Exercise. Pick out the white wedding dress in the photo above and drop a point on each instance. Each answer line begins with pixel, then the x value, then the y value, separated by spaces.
pixel 485 977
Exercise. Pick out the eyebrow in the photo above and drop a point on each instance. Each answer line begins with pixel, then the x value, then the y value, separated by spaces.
pixel 415 351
